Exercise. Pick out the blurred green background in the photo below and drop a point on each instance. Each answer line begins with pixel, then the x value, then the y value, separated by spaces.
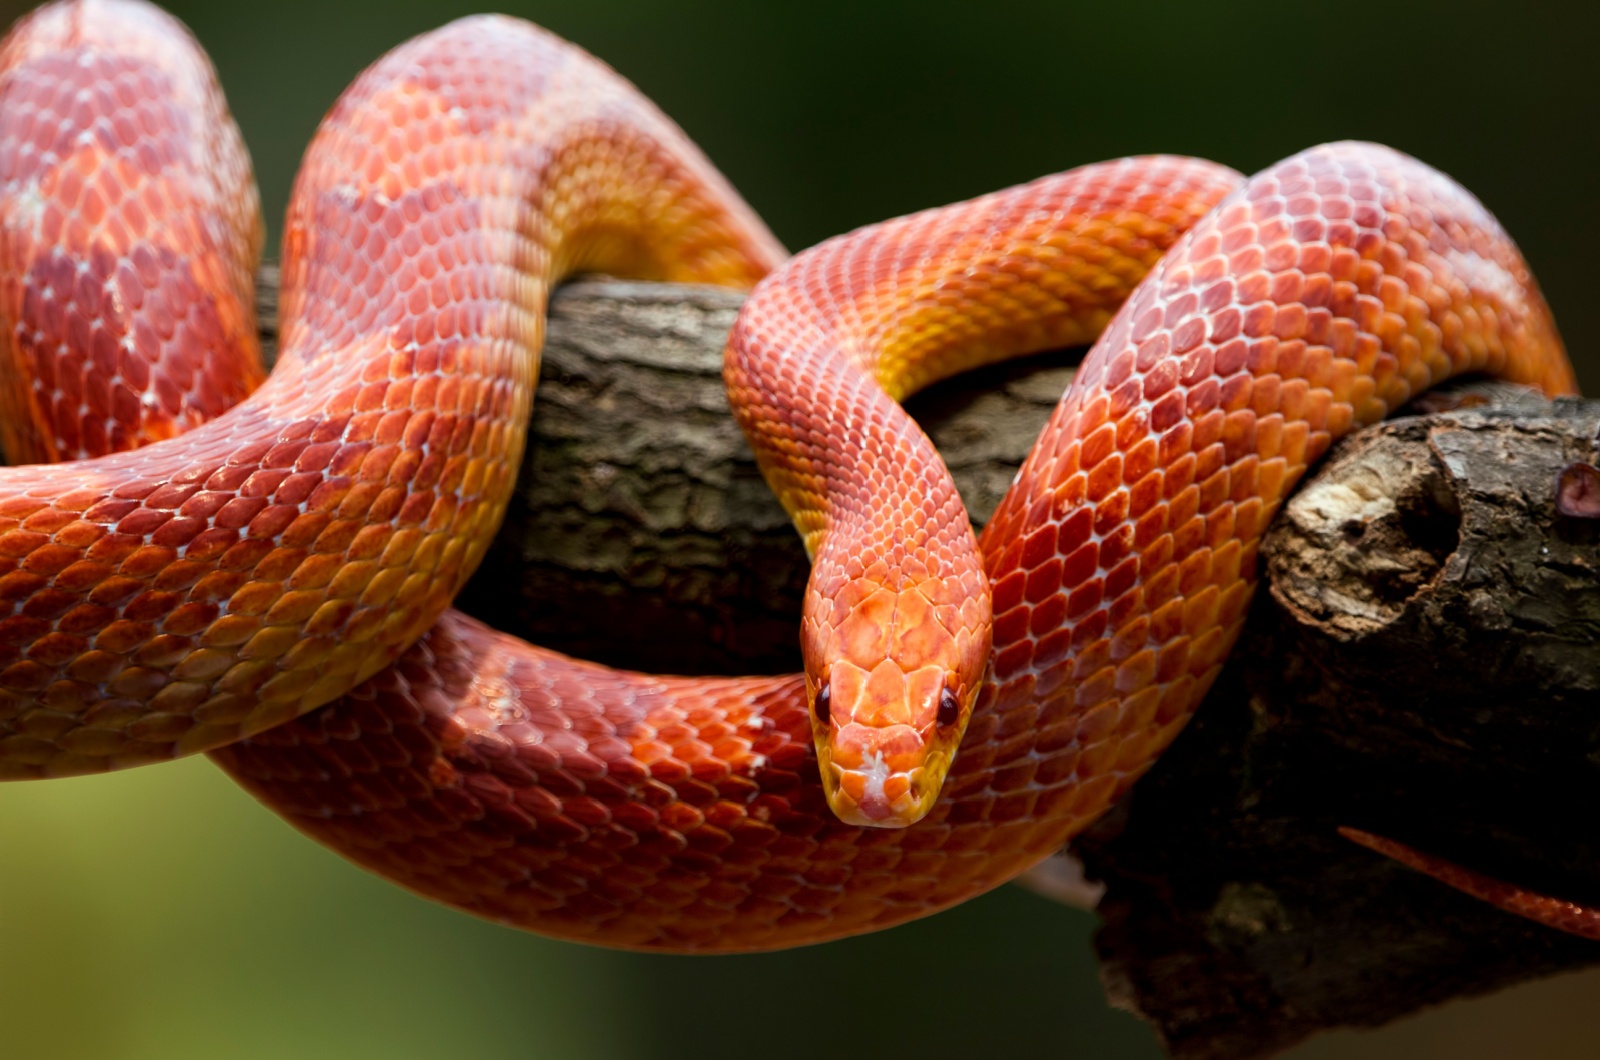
pixel 161 913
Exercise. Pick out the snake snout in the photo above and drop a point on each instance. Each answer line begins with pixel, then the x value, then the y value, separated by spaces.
pixel 883 754
pixel 880 775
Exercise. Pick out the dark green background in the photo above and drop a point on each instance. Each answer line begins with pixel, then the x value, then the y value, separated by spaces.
pixel 161 913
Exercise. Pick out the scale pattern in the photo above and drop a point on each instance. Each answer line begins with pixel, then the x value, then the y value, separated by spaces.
pixel 688 814
pixel 644 812
pixel 174 598
pixel 129 232
pixel 897 610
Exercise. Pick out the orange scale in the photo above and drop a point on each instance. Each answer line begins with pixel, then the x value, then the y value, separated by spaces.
pixel 1105 476
pixel 1241 481
pixel 1200 403
pixel 1215 489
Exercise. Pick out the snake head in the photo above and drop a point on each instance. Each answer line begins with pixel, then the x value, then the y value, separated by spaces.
pixel 891 677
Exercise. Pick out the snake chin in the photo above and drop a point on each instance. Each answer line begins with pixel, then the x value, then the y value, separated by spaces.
pixel 876 796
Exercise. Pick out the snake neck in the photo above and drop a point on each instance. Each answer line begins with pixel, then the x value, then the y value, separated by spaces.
pixel 895 635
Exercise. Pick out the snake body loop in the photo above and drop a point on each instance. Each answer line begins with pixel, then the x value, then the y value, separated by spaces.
pixel 897 613
pixel 448 188
pixel 687 814
pixel 208 586
pixel 131 233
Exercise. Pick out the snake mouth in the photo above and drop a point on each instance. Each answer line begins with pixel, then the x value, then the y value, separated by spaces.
pixel 870 799
pixel 882 777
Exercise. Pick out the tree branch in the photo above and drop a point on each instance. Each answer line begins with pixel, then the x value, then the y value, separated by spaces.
pixel 1426 665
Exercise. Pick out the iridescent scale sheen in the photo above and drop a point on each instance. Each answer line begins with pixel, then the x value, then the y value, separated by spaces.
pixel 449 187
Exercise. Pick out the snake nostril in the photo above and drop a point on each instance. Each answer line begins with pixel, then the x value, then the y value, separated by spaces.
pixel 949 708
pixel 824 703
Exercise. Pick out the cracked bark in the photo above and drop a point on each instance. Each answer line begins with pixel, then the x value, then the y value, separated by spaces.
pixel 1425 664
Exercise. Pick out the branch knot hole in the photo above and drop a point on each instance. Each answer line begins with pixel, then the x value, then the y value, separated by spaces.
pixel 1372 530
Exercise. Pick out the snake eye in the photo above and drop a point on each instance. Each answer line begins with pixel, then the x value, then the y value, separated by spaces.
pixel 949 708
pixel 824 702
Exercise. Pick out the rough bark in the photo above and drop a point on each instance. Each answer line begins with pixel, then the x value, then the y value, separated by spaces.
pixel 1425 664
